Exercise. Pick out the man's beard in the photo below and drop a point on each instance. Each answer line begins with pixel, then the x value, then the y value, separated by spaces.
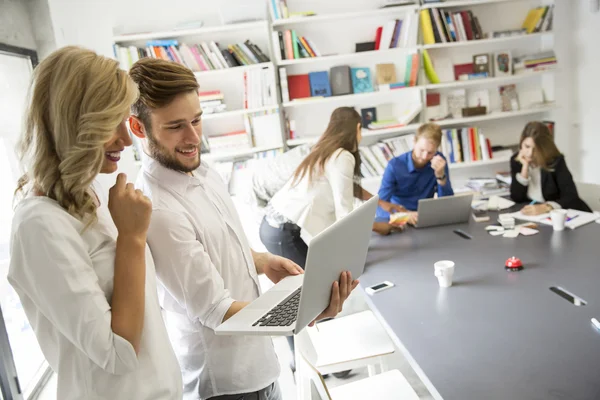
pixel 161 154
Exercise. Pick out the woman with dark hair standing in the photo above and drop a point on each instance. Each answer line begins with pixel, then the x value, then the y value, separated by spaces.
pixel 321 190
pixel 540 174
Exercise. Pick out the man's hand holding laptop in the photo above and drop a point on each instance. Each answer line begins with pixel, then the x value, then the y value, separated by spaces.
pixel 339 293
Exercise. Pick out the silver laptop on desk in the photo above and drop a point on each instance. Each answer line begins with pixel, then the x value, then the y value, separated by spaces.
pixel 295 301
pixel 444 210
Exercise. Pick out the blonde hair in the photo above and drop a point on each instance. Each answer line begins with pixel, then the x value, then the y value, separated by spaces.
pixel 77 99
pixel 430 131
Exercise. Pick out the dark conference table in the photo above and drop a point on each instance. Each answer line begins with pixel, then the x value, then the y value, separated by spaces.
pixel 494 334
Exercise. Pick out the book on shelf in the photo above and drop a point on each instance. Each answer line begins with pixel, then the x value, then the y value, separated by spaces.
pixel 204 56
pixel 278 9
pixel 542 61
pixel 539 19
pixel 259 88
pixel 397 33
pixel 292 46
pixel 319 84
pixel 230 141
pixel 444 26
pixel 361 80
pixel 212 101
pixel 283 83
pixel 509 98
pixel 462 145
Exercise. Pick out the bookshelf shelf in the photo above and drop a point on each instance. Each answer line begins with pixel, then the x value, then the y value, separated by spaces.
pixel 495 116
pixel 178 33
pixel 239 69
pixel 347 56
pixel 366 133
pixel 487 81
pixel 214 157
pixel 343 99
pixel 472 164
pixel 485 42
pixel 347 15
pixel 462 3
pixel 234 113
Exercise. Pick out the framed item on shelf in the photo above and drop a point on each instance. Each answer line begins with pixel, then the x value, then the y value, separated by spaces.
pixel 508 97
pixel 502 63
pixel 368 115
pixel 481 63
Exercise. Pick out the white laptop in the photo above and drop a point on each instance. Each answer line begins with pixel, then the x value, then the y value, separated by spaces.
pixel 293 303
pixel 444 210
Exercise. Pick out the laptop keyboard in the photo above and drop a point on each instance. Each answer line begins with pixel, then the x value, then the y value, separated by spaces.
pixel 283 314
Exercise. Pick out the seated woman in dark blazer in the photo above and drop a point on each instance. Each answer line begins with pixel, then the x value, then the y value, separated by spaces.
pixel 539 173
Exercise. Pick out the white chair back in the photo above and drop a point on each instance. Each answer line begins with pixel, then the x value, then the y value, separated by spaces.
pixel 590 193
pixel 306 357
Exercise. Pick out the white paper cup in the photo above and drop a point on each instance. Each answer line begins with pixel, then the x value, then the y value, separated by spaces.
pixel 558 218
pixel 444 271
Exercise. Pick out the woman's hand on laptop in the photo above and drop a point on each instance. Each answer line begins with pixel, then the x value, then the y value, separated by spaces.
pixel 339 293
pixel 275 267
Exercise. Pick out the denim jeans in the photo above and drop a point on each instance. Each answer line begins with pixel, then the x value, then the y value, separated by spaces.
pixel 284 241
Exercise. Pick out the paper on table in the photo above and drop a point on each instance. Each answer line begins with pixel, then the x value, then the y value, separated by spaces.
pixel 497 233
pixel 527 231
pixel 511 234
pixel 499 203
pixel 494 228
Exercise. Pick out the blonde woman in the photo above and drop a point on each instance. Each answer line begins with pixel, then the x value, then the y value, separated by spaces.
pixel 83 272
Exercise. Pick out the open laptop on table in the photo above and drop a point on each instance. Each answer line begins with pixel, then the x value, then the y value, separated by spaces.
pixel 294 302
pixel 444 210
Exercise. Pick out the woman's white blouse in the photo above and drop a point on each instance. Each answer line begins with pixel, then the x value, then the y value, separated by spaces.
pixel 63 275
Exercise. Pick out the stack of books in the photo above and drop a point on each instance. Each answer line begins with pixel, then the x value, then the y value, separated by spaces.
pixel 293 46
pixel 461 145
pixel 230 141
pixel 535 62
pixel 212 102
pixel 442 26
pixel 204 56
pixel 375 158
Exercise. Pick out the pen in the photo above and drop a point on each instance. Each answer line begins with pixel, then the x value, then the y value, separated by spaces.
pixel 572 218
pixel 596 323
pixel 532 202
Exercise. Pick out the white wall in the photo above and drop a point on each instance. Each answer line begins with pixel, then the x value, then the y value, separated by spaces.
pixel 43 31
pixel 586 79
pixel 15 25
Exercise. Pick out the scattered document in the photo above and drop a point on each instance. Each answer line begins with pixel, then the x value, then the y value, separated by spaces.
pixel 494 203
pixel 527 231
pixel 575 218
pixel 511 234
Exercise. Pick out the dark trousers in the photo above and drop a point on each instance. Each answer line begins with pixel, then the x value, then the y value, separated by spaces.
pixel 285 241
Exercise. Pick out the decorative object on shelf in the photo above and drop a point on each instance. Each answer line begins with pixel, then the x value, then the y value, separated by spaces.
pixel 385 73
pixel 461 70
pixel 481 63
pixel 368 115
pixel 457 100
pixel 429 69
pixel 433 103
pixel 502 63
pixel 473 111
pixel 508 97
pixel 479 99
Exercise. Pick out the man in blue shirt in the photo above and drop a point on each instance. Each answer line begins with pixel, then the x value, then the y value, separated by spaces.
pixel 415 175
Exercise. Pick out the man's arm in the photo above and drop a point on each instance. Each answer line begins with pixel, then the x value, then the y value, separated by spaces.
pixel 185 269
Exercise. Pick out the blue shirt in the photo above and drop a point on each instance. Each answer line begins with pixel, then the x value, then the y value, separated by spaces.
pixel 405 184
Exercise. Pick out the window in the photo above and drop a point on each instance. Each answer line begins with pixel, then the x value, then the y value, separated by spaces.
pixel 28 361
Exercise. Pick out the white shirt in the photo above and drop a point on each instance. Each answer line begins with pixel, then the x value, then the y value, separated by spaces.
pixel 315 206
pixel 204 263
pixel 534 186
pixel 64 278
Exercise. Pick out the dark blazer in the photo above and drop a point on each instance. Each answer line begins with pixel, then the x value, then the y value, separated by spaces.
pixel 557 185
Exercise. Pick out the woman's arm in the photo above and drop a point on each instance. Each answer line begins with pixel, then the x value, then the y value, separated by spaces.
pixel 567 190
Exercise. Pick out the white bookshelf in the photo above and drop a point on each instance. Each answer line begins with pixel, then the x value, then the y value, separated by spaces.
pixel 366 134
pixel 230 81
pixel 501 80
pixel 463 3
pixel 365 55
